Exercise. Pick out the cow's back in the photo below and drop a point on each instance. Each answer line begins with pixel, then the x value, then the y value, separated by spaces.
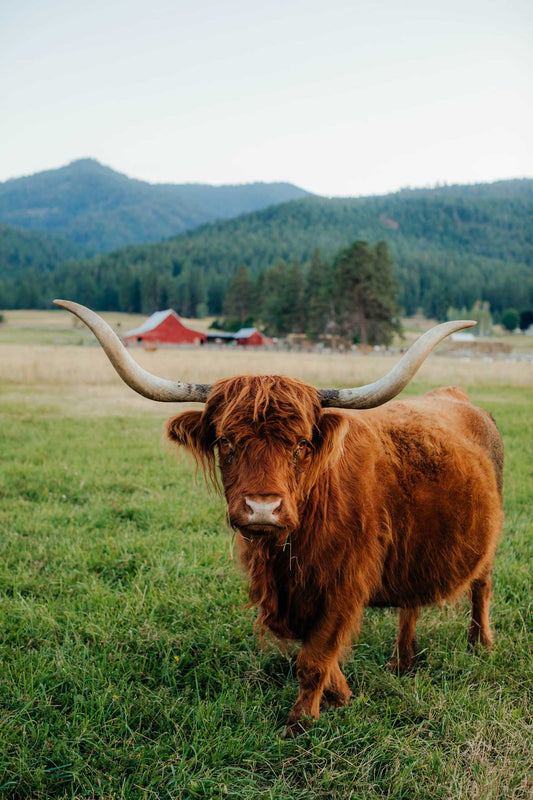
pixel 476 424
pixel 437 462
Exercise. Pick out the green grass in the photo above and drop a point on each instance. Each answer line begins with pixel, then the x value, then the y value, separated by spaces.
pixel 128 664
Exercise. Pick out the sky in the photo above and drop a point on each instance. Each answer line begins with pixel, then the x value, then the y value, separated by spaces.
pixel 342 98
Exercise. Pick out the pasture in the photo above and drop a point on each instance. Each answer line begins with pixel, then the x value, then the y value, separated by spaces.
pixel 129 667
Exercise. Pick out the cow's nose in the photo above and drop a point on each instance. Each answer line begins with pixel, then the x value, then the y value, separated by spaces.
pixel 263 509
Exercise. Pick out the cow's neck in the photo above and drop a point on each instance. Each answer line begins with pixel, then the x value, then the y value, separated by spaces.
pixel 282 574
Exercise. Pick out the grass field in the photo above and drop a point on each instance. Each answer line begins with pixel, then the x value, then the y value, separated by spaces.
pixel 129 668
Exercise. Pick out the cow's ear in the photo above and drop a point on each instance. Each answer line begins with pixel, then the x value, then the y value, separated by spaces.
pixel 329 439
pixel 189 430
pixel 328 442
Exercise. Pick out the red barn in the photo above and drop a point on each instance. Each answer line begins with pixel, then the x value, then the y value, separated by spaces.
pixel 251 337
pixel 164 327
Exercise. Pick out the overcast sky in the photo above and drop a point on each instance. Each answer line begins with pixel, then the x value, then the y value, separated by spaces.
pixel 341 97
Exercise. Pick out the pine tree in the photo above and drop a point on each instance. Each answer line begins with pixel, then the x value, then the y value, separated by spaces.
pixel 293 305
pixel 150 292
pixel 282 304
pixel 4 295
pixel 318 297
pixel 272 302
pixel 383 316
pixel 258 293
pixel 238 301
pixel 196 293
pixel 215 293
pixel 365 294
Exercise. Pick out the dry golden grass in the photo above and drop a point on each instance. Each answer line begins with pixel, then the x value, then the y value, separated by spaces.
pixel 19 324
pixel 60 327
pixel 41 361
pixel 80 380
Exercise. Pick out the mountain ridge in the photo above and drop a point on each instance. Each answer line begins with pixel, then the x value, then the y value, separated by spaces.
pixel 103 209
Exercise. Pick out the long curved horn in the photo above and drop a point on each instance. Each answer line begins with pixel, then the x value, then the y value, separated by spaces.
pixel 131 373
pixel 379 392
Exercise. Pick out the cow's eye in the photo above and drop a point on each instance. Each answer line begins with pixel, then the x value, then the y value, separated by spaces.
pixel 301 448
pixel 226 448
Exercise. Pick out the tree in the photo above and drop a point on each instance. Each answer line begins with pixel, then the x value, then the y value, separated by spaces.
pixel 238 301
pixel 129 291
pixel 27 294
pixel 510 319
pixel 273 310
pixel 4 296
pixel 189 293
pixel 258 292
pixel 365 294
pixel 383 315
pixel 318 297
pixel 526 319
pixel 215 293
pixel 438 297
pixel 294 316
pixel 150 292
pixel 480 312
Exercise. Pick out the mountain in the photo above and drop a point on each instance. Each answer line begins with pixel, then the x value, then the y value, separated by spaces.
pixel 101 209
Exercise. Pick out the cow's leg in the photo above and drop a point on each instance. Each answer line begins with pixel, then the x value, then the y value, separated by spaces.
pixel 480 592
pixel 405 647
pixel 318 668
pixel 313 668
pixel 336 690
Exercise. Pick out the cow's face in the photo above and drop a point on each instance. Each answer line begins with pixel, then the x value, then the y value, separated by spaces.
pixel 272 439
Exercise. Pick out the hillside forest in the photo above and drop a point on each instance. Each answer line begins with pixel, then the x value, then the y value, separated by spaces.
pixel 280 267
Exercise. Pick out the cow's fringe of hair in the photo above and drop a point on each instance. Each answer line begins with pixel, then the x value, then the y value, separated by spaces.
pixel 263 395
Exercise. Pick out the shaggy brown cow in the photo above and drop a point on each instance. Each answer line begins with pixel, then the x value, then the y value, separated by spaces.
pixel 396 505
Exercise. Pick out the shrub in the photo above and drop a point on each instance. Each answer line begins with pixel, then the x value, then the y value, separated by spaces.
pixel 510 319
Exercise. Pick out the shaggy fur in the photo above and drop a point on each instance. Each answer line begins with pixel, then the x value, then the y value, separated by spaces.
pixel 395 506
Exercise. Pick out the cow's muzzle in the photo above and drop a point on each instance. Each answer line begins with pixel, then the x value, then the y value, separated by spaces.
pixel 260 514
pixel 263 510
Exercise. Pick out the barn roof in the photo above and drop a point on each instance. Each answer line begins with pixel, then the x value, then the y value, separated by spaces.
pixel 152 322
pixel 214 334
pixel 245 333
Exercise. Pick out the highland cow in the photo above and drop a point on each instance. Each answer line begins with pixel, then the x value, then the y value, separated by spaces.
pixel 342 500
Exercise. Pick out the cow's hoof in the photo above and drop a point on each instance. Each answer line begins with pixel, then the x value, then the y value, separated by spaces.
pixel 295 727
pixel 402 666
pixel 478 639
pixel 334 699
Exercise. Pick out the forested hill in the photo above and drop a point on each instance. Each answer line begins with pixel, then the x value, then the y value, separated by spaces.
pixel 21 251
pixel 102 209
pixel 452 246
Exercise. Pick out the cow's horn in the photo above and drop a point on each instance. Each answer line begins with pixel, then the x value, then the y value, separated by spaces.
pixel 131 373
pixel 379 392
